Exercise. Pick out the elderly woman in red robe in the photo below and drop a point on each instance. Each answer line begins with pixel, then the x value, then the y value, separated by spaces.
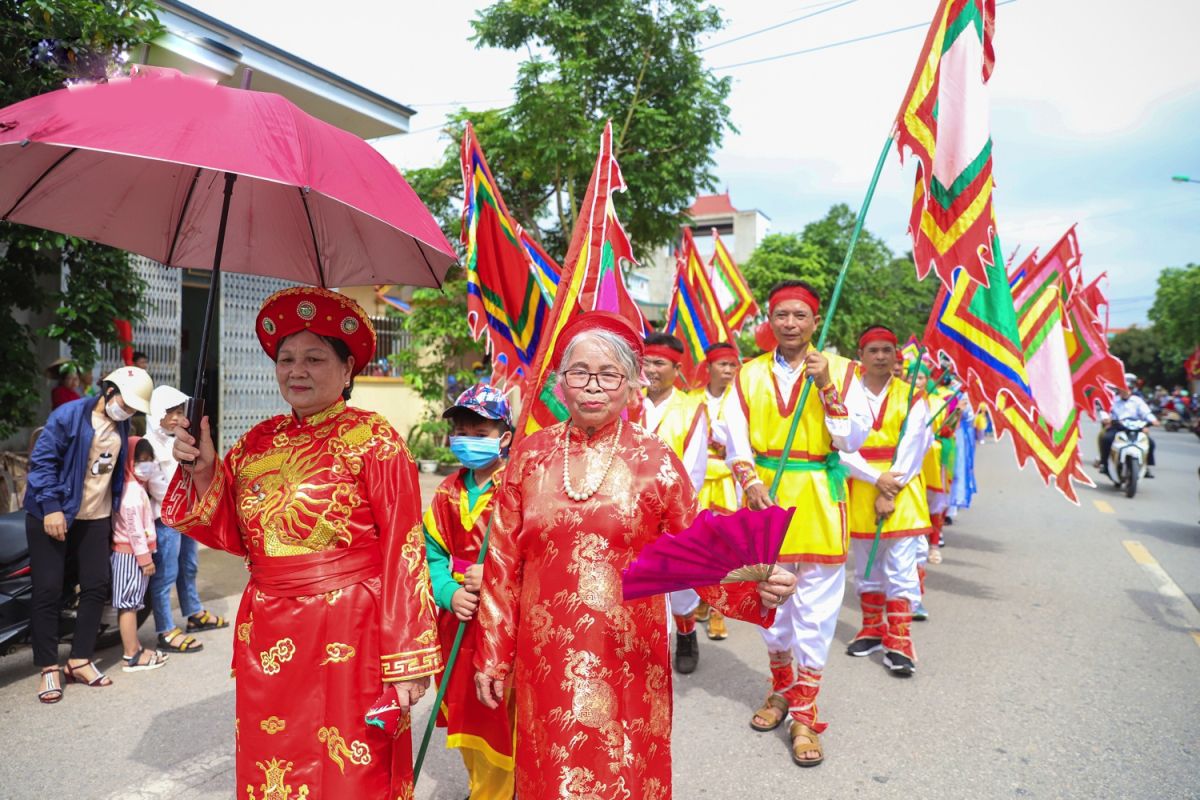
pixel 590 671
pixel 337 618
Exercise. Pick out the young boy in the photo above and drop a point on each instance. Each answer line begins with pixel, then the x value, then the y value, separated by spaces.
pixel 455 525
pixel 133 545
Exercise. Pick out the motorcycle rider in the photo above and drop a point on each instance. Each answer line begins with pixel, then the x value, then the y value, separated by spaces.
pixel 1126 407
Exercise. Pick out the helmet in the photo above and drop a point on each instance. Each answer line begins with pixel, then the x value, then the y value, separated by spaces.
pixel 135 387
pixel 1130 380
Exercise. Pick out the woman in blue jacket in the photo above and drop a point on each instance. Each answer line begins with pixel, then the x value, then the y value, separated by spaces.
pixel 74 486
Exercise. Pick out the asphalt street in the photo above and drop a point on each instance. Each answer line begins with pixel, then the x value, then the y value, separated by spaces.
pixel 1062 660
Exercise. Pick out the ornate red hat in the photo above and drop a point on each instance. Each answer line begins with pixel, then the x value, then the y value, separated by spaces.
pixel 598 320
pixel 325 313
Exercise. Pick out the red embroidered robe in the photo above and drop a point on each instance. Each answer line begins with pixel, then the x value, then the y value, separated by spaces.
pixel 591 672
pixel 326 511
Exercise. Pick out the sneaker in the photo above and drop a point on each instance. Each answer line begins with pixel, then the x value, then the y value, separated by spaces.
pixel 899 664
pixel 864 647
pixel 687 653
pixel 949 520
pixel 716 628
pixel 919 613
pixel 703 611
pixel 1149 474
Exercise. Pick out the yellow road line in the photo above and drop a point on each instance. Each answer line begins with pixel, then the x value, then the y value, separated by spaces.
pixel 1181 605
pixel 1140 554
pixel 1103 507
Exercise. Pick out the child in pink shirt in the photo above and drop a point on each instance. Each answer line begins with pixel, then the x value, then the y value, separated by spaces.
pixel 132 555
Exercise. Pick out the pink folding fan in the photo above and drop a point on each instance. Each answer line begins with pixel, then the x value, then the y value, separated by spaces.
pixel 716 548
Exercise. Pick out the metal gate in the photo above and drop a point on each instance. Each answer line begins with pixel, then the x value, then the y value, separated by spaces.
pixel 158 334
pixel 248 391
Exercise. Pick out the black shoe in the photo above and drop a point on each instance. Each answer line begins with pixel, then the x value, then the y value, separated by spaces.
pixel 949 521
pixel 687 653
pixel 1149 474
pixel 899 664
pixel 864 647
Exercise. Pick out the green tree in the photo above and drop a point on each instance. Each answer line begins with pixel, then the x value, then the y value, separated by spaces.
pixel 1176 310
pixel 441 340
pixel 45 44
pixel 880 288
pixel 631 61
pixel 1142 352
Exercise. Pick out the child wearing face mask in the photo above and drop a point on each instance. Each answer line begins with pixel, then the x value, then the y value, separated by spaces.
pixel 455 526
pixel 133 545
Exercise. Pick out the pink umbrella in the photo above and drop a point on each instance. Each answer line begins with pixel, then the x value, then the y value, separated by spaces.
pixel 192 174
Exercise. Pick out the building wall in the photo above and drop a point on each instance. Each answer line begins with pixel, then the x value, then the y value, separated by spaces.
pixel 402 407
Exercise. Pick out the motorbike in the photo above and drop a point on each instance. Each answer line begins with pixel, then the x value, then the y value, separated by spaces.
pixel 1130 450
pixel 1172 421
pixel 16 594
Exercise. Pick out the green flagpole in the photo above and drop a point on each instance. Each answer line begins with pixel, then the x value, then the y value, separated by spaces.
pixel 445 682
pixel 833 300
pixel 912 385
pixel 945 405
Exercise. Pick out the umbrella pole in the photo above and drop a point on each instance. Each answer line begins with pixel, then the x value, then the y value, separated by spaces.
pixel 196 403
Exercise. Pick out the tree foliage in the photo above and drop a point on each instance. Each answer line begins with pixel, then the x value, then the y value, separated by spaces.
pixel 45 44
pixel 441 340
pixel 880 288
pixel 1176 309
pixel 1141 350
pixel 631 61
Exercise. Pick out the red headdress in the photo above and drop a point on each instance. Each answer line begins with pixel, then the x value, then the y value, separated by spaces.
pixel 597 320
pixel 805 296
pixel 325 313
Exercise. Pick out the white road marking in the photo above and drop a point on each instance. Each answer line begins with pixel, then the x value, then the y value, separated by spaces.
pixel 1182 605
pixel 1103 507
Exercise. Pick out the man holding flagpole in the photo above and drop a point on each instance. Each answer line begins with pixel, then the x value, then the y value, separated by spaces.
pixel 814 482
pixel 887 485
pixel 679 419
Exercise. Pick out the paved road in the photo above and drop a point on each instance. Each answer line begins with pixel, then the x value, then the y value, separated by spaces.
pixel 1055 666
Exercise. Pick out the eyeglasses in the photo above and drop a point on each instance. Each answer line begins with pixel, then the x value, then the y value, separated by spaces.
pixel 580 378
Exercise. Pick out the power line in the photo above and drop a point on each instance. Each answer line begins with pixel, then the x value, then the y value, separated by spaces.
pixel 777 25
pixel 842 43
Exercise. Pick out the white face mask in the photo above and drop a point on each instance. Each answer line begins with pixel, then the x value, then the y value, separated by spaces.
pixel 116 411
pixel 144 470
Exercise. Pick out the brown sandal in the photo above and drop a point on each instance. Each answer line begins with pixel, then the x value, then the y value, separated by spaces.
pixel 53 691
pixel 804 740
pixel 775 704
pixel 100 680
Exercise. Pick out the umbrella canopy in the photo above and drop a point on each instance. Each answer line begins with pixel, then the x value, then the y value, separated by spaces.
pixel 141 163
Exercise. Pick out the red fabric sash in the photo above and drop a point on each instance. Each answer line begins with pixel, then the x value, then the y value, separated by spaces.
pixel 877 453
pixel 318 573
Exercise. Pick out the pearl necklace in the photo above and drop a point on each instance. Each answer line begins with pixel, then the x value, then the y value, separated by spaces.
pixel 588 489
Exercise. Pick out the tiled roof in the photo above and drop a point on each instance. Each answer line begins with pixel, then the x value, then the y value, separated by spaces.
pixel 711 205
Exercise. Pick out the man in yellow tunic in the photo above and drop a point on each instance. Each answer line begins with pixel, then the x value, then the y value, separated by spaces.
pixel 834 419
pixel 720 491
pixel 679 419
pixel 887 484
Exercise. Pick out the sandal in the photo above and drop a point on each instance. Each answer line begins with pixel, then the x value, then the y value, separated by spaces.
pixel 805 740
pixel 100 680
pixel 775 707
pixel 53 691
pixel 134 662
pixel 171 642
pixel 205 621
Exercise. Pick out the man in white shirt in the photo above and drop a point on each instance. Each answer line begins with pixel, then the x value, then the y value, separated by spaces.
pixel 1126 407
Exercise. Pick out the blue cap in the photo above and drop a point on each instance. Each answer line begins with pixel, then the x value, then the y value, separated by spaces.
pixel 482 399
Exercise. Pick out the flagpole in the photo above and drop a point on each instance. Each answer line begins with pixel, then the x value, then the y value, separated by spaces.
pixel 449 669
pixel 912 385
pixel 833 300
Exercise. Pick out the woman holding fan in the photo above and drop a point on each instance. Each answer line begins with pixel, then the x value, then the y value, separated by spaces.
pixel 580 499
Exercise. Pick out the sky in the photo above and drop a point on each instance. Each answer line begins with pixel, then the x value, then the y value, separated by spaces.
pixel 1095 105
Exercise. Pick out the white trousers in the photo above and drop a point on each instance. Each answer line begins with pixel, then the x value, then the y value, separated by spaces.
pixel 684 602
pixel 938 501
pixel 805 623
pixel 922 550
pixel 894 573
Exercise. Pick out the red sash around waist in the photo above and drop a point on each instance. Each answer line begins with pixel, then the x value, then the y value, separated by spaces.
pixel 877 453
pixel 318 573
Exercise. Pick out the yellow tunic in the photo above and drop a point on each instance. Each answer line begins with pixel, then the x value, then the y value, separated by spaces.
pixel 932 471
pixel 680 418
pixel 818 532
pixel 719 490
pixel 911 517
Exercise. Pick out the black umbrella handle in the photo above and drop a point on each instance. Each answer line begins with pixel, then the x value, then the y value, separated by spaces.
pixel 196 403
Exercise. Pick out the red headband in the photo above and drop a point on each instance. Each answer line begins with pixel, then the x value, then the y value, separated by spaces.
pixel 877 335
pixel 794 293
pixel 664 352
pixel 596 320
pixel 722 352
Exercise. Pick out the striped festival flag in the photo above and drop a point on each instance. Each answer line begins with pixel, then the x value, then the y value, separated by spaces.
pixel 591 280
pixel 695 314
pixel 733 293
pixel 944 124
pixel 506 299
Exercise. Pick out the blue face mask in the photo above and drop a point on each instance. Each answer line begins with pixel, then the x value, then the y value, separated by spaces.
pixel 475 451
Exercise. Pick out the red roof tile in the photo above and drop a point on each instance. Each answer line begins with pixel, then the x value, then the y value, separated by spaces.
pixel 709 205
